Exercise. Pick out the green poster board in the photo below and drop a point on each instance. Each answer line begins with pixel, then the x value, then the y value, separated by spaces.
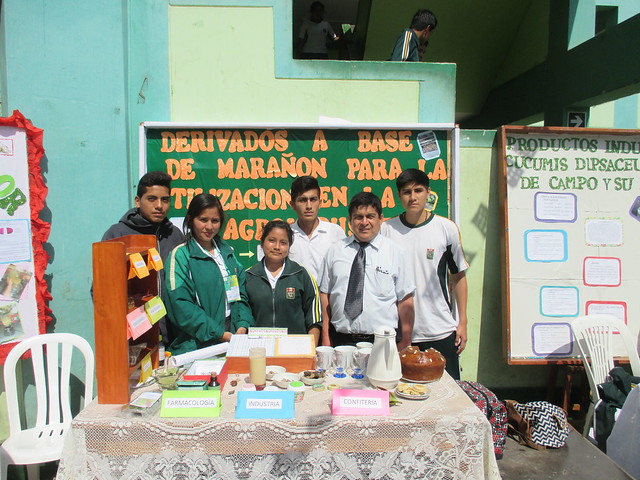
pixel 250 168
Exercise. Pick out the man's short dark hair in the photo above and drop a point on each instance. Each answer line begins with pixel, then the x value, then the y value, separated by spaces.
pixel 424 18
pixel 411 176
pixel 151 179
pixel 365 199
pixel 303 184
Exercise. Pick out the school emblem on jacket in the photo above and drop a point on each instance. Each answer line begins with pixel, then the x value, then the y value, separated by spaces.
pixel 290 293
pixel 430 252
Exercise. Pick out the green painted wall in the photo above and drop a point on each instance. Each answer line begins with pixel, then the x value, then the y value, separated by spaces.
pixel 529 46
pixel 225 89
pixel 299 90
pixel 487 41
pixel 64 67
pixel 582 26
pixel 480 229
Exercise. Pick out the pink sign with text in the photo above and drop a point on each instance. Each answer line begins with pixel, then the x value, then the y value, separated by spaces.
pixel 360 402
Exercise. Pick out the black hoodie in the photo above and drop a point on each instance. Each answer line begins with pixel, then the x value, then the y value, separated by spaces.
pixel 167 234
pixel 132 223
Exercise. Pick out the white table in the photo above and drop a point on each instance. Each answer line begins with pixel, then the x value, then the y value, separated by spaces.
pixel 443 437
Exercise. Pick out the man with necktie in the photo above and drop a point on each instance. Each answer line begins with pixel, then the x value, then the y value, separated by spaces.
pixel 364 281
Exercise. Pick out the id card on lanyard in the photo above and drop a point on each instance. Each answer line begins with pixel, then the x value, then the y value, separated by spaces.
pixel 231 287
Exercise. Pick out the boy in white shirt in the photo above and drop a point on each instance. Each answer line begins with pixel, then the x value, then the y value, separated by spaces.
pixel 312 236
pixel 432 244
pixel 315 33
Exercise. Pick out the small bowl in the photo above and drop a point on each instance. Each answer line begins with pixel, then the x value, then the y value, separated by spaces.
pixel 168 379
pixel 273 370
pixel 312 381
pixel 283 380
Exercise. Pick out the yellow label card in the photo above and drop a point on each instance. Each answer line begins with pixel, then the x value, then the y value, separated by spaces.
pixel 155 309
pixel 155 261
pixel 146 367
pixel 138 266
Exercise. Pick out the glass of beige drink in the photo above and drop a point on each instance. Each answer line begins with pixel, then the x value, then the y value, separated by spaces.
pixel 258 367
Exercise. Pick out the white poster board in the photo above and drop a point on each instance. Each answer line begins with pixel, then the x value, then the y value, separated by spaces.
pixel 571 218
pixel 18 305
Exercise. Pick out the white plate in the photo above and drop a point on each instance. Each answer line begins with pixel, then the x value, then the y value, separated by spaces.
pixel 412 397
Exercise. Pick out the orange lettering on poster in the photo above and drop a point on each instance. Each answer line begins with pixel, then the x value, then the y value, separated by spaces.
pixel 168 142
pixel 178 194
pixel 182 142
pixel 439 171
pixel 387 198
pixel 320 142
pixel 281 141
pixel 391 141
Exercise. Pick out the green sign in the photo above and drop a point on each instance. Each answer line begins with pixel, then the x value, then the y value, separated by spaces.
pixel 251 170
pixel 190 403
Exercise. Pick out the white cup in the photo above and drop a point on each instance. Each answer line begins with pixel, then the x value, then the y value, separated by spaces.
pixel 344 356
pixel 324 357
pixel 360 345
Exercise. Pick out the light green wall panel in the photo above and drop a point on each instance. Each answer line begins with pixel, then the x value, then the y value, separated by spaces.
pixel 476 36
pixel 236 82
pixel 582 24
pixel 480 229
pixel 601 116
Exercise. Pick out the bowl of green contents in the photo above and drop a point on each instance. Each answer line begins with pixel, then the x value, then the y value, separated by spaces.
pixel 168 377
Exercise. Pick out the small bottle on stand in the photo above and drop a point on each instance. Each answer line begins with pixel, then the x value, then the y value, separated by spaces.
pixel 213 382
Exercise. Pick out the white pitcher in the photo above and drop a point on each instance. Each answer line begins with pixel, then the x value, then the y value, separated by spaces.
pixel 384 369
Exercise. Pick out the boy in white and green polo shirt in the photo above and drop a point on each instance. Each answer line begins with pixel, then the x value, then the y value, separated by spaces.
pixel 434 250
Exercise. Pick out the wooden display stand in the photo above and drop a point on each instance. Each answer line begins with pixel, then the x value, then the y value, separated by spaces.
pixel 111 293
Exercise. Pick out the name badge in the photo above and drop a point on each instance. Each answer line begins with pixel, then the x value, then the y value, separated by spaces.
pixel 190 403
pixel 232 288
pixel 265 404
pixel 360 402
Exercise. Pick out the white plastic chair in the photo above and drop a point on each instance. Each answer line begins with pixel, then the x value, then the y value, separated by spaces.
pixel 51 359
pixel 594 335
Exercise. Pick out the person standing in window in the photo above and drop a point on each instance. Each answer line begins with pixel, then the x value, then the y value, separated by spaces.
pixel 411 43
pixel 314 34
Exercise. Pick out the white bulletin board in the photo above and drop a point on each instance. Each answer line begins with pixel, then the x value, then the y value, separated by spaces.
pixel 570 202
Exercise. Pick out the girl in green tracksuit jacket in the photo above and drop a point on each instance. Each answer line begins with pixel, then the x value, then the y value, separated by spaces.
pixel 281 292
pixel 205 292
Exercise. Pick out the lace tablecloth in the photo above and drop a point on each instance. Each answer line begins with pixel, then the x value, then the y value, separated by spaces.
pixel 443 437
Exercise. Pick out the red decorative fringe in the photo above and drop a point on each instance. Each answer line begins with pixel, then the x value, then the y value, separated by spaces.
pixel 39 228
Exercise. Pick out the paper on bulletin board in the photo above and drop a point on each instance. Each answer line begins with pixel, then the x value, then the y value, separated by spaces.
pixel 572 216
pixel 18 305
